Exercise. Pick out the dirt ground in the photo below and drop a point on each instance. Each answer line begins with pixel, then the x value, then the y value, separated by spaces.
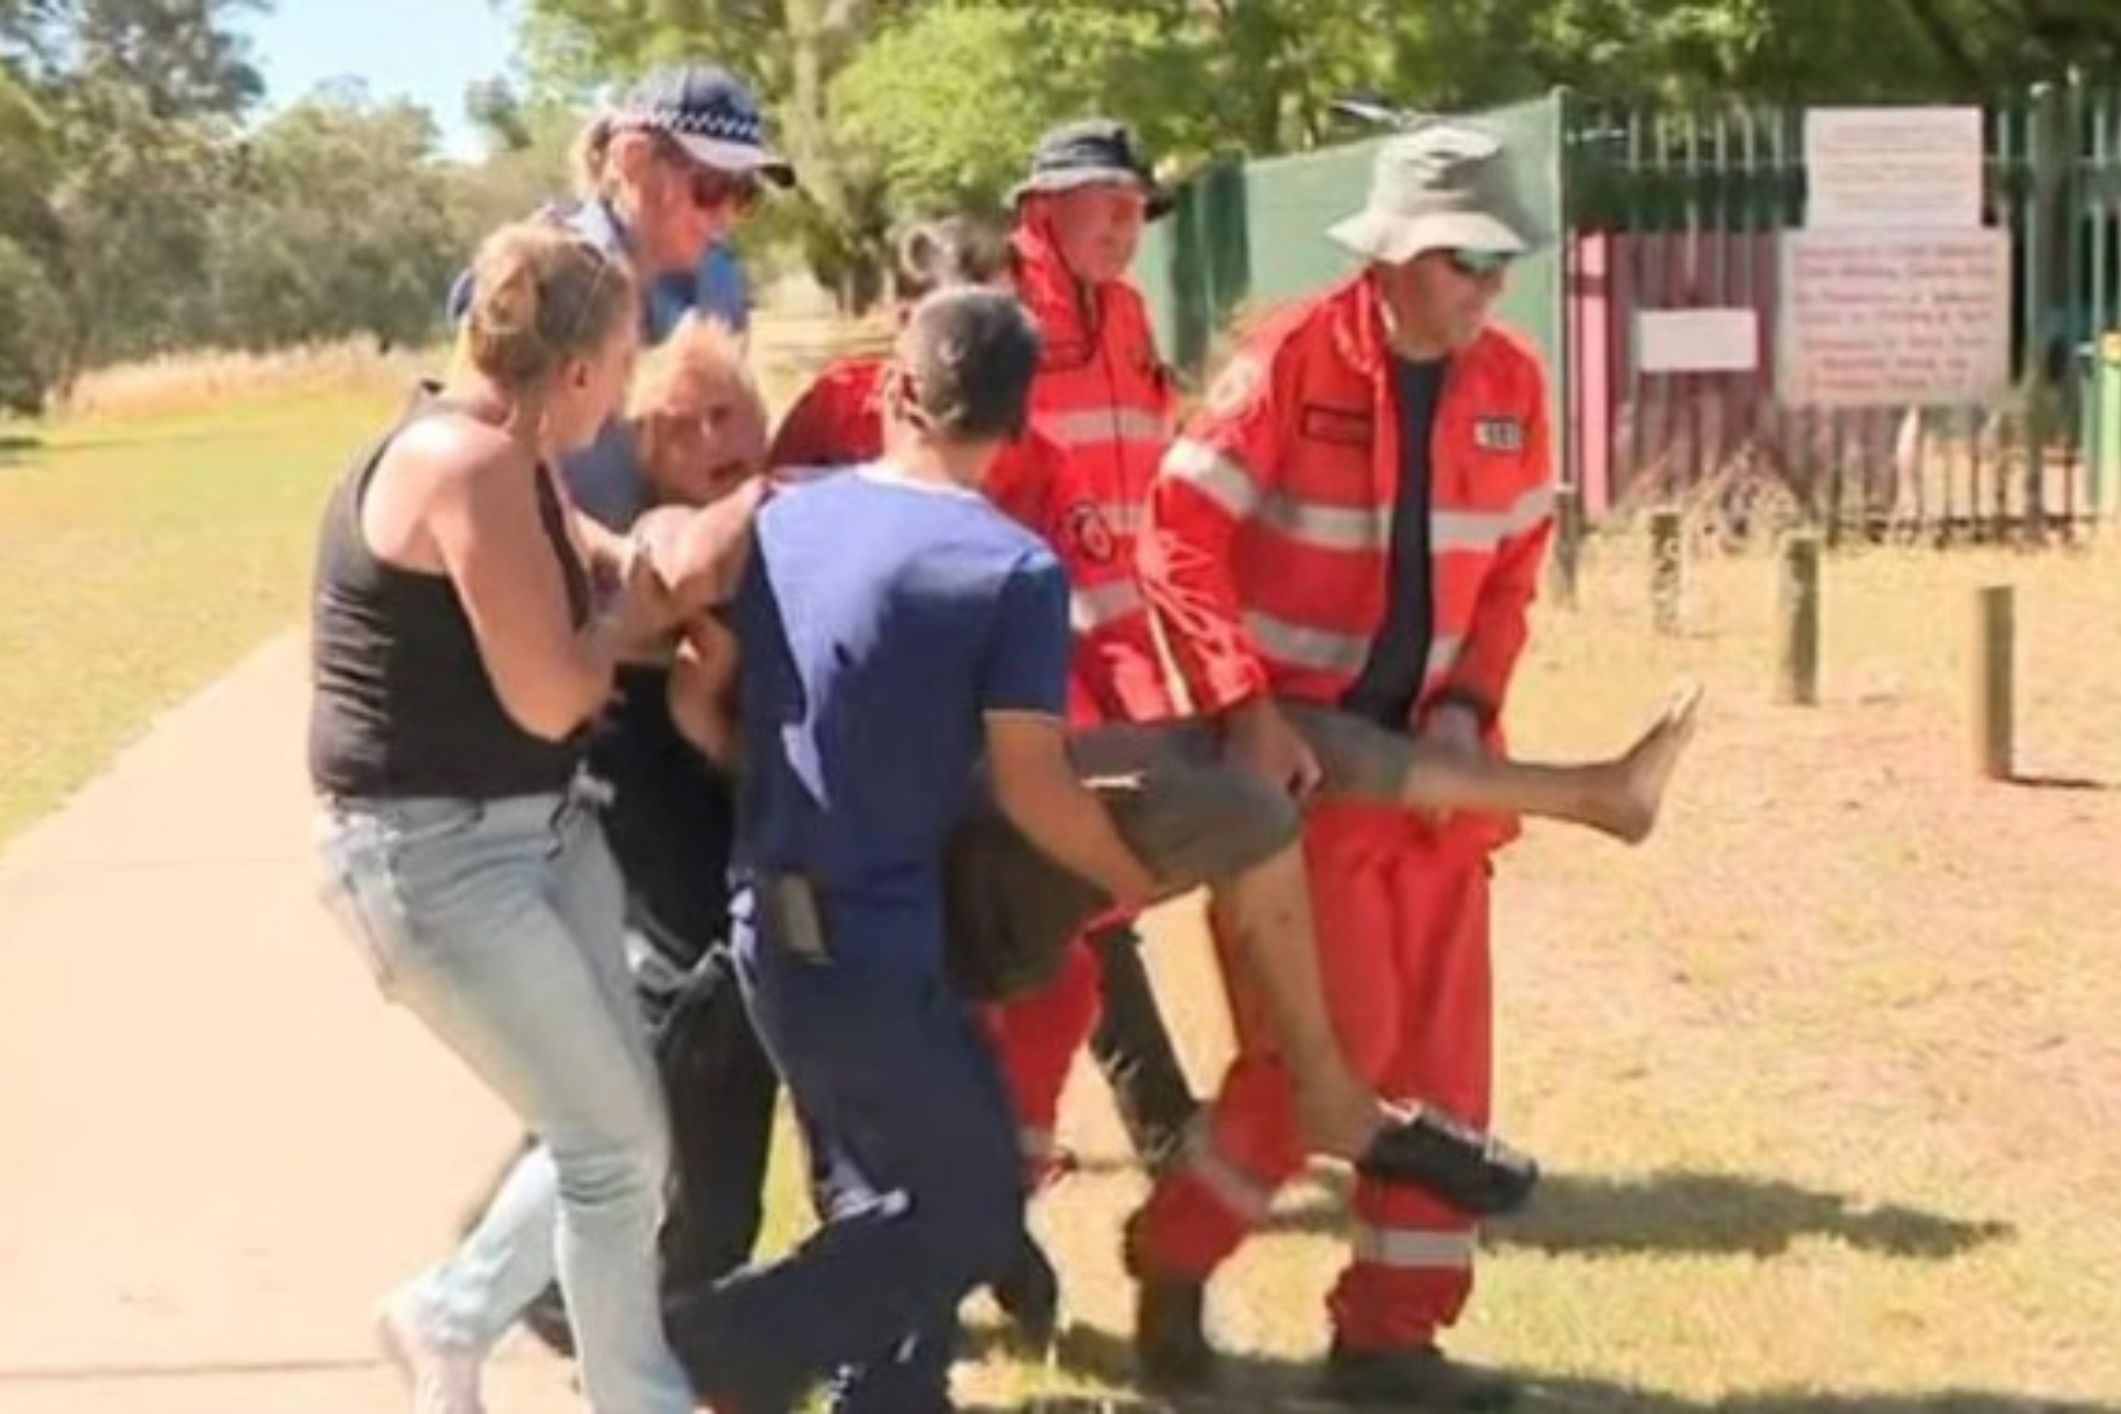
pixel 1826 1075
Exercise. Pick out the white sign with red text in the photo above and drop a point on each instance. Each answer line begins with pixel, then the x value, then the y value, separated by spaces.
pixel 1894 318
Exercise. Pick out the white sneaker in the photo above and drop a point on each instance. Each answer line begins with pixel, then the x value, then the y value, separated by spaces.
pixel 443 1381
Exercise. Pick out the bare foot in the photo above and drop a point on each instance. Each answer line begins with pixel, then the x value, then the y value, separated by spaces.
pixel 1640 777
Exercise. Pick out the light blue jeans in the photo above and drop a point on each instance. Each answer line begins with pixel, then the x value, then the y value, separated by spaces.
pixel 499 924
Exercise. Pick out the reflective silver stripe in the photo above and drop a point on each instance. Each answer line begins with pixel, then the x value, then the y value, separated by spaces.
pixel 1484 530
pixel 1443 656
pixel 1221 479
pixel 1101 604
pixel 1408 1248
pixel 1317 648
pixel 1243 1195
pixel 1082 427
pixel 1356 528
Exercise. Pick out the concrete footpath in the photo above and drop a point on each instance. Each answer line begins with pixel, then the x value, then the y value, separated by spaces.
pixel 217 1144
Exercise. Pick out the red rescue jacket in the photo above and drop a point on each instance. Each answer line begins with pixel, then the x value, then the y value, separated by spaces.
pixel 1106 401
pixel 1267 545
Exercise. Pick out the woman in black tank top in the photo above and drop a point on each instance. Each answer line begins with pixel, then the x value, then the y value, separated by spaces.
pixel 466 628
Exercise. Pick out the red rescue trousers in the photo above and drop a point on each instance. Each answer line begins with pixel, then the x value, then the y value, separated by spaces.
pixel 1035 1040
pixel 1402 922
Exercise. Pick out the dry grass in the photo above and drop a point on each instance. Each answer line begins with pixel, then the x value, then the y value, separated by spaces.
pixel 1827 1075
pixel 207 377
pixel 140 556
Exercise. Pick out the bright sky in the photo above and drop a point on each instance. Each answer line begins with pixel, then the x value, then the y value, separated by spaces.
pixel 424 50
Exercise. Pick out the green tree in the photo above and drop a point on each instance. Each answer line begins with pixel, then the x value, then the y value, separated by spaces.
pixel 132 202
pixel 32 329
pixel 337 224
pixel 494 108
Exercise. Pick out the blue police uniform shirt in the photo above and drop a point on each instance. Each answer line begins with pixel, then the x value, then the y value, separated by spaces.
pixel 881 619
pixel 604 478
pixel 720 288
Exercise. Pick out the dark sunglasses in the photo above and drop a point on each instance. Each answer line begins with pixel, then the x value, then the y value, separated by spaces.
pixel 711 187
pixel 1479 264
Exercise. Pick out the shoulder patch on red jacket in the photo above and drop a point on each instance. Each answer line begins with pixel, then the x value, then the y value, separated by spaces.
pixel 1086 536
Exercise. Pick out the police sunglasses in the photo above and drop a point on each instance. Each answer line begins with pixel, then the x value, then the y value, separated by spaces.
pixel 710 187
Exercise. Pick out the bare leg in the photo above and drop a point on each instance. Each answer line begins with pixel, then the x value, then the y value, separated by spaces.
pixel 1269 908
pixel 1620 796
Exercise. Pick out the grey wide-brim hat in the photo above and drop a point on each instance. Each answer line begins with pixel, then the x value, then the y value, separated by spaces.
pixel 1444 187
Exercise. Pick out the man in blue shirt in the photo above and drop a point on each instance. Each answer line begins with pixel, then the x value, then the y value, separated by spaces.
pixel 895 628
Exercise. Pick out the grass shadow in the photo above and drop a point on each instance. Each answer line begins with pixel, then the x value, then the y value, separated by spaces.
pixel 14 446
pixel 1249 1383
pixel 1683 1212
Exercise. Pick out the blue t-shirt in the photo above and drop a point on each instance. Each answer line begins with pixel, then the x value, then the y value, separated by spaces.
pixel 880 620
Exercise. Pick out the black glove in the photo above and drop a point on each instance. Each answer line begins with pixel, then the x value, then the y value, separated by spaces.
pixel 1471 1170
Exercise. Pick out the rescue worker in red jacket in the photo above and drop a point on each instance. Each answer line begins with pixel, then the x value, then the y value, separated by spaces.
pixel 1357 517
pixel 1106 400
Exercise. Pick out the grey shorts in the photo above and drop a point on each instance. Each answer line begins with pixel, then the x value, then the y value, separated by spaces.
pixel 1192 818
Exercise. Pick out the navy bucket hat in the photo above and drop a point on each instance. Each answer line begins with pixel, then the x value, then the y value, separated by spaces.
pixel 1091 152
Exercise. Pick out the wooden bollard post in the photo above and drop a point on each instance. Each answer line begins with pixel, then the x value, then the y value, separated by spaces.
pixel 1664 570
pixel 1995 631
pixel 1568 544
pixel 1797 682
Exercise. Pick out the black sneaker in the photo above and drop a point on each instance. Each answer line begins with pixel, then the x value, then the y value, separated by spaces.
pixel 1029 1295
pixel 1170 1335
pixel 1470 1169
pixel 1420 1376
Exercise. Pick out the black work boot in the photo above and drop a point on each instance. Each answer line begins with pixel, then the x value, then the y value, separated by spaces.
pixel 1171 1347
pixel 1419 1376
pixel 1029 1295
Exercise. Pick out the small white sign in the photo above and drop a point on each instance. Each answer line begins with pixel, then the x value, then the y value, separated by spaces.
pixel 1892 168
pixel 1894 318
pixel 1697 341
